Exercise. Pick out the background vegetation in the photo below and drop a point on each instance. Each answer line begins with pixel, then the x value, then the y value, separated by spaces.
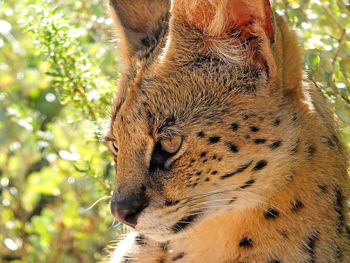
pixel 58 67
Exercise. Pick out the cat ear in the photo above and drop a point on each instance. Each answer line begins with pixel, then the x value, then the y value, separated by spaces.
pixel 247 23
pixel 141 24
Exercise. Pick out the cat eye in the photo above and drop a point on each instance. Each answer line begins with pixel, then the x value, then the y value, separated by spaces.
pixel 171 144
pixel 163 151
pixel 113 147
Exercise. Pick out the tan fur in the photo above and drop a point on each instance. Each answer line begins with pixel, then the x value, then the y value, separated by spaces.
pixel 273 187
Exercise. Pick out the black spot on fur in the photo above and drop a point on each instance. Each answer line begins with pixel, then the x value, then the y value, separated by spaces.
pixel 259 165
pixel 199 173
pixel 296 205
pixel 275 144
pixel 214 172
pixel 246 242
pixel 309 247
pixel 213 157
pixel 274 261
pixel 233 148
pixel 214 139
pixel 254 129
pixel 164 246
pixel 295 147
pixel 140 240
pixel 245 117
pixel 247 184
pixel 338 254
pixel 184 223
pixel 232 200
pixel 283 233
pixel 178 256
pixel 277 122
pixel 259 141
pixel 234 126
pixel 200 134
pixel 127 259
pixel 171 203
pixel 238 170
pixel 271 214
pixel 323 188
pixel 203 154
pixel 339 208
pixel 326 140
pixel 207 179
pixel 310 150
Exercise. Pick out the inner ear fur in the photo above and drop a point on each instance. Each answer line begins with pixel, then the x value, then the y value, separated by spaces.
pixel 248 24
pixel 140 25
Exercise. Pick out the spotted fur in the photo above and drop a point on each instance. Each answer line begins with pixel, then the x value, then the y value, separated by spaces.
pixel 260 174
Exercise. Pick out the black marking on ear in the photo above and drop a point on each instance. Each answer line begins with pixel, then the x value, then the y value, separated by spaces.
pixel 214 139
pixel 178 256
pixel 234 126
pixel 275 144
pixel 259 141
pixel 232 147
pixel 259 165
pixel 183 223
pixel 238 170
pixel 309 247
pixel 296 205
pixel 246 242
pixel 271 213
pixel 254 129
pixel 200 134
pixel 247 184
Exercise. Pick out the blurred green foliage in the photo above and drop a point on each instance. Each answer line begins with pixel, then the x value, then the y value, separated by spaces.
pixel 57 73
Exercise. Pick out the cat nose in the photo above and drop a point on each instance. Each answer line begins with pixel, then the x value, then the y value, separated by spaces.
pixel 127 209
